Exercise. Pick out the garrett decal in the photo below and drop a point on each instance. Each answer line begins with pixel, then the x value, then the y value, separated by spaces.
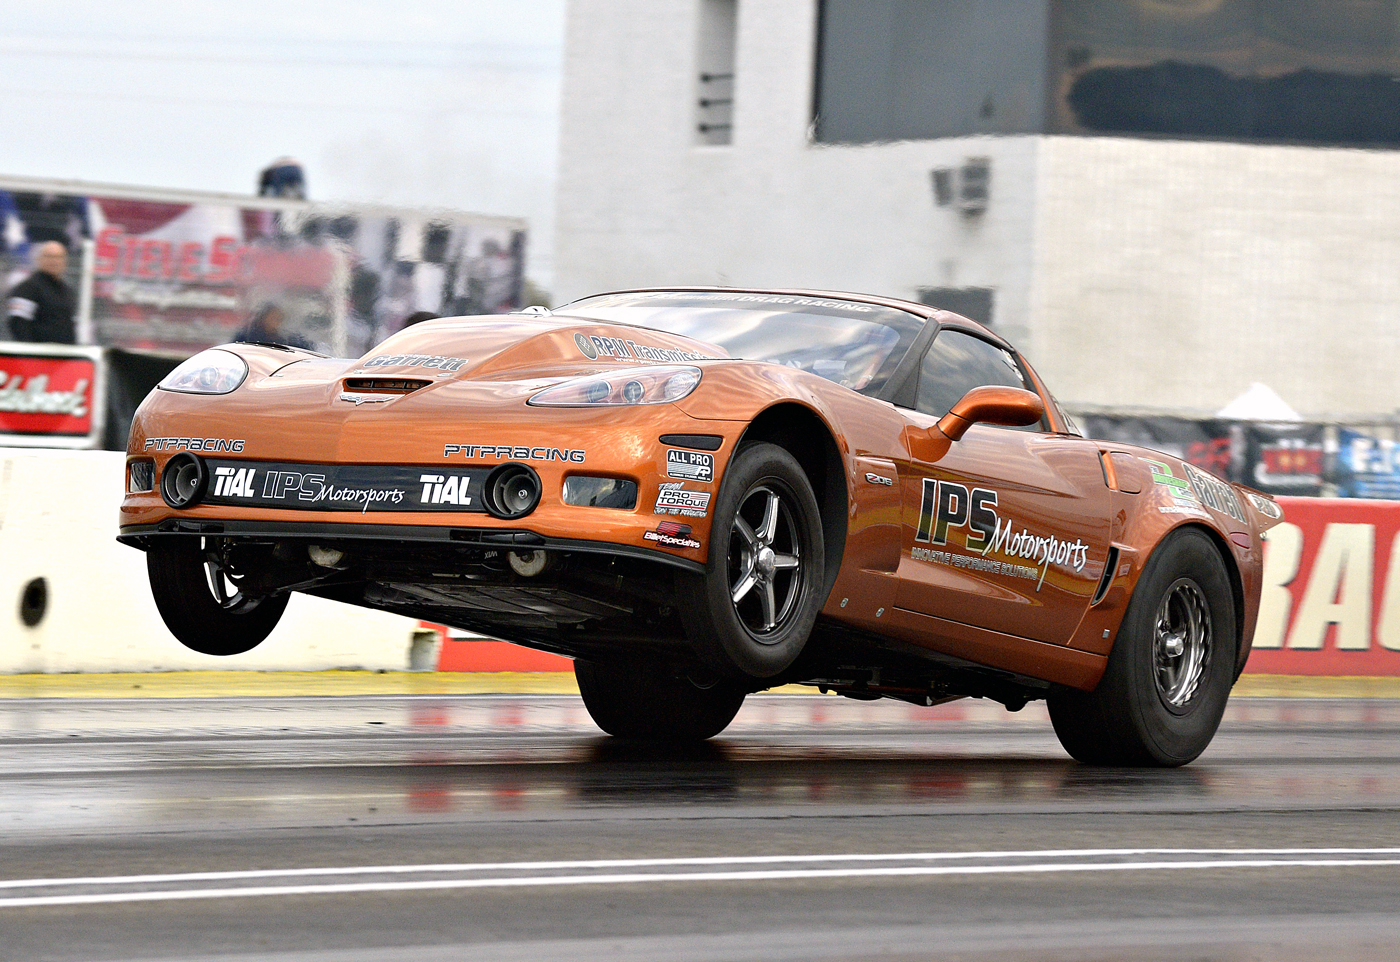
pixel 690 465
pixel 1214 493
pixel 948 505
pixel 673 498
pixel 432 361
pixel 510 452
pixel 671 534
pixel 195 444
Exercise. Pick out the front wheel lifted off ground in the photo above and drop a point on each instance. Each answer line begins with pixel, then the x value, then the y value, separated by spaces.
pixel 649 703
pixel 198 597
pixel 1171 669
pixel 748 616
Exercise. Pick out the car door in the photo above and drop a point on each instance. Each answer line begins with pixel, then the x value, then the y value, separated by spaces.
pixel 1006 528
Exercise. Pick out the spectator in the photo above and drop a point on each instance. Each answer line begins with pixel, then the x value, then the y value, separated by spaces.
pixel 417 317
pixel 40 307
pixel 283 178
pixel 268 325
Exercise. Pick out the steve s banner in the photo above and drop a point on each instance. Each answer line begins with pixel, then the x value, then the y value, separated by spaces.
pixel 1331 597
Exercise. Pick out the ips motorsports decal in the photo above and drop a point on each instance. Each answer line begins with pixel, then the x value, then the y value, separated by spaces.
pixel 690 465
pixel 344 487
pixel 671 534
pixel 948 507
pixel 675 498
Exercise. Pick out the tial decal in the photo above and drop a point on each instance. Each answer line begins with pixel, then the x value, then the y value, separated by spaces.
pixel 947 506
pixel 445 489
pixel 235 482
pixel 673 498
pixel 690 465
pixel 510 452
pixel 430 361
pixel 597 346
pixel 1183 498
pixel 212 445
pixel 671 534
pixel 1215 494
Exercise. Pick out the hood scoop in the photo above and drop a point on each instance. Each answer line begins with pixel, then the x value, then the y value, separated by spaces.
pixel 386 385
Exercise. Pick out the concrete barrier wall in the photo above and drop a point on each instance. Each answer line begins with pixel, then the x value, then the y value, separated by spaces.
pixel 58 521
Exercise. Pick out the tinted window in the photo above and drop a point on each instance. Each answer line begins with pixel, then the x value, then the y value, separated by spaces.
pixel 955 364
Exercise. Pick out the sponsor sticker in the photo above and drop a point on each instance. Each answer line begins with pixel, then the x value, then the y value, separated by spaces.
pixel 671 534
pixel 675 498
pixel 430 361
pixel 1178 488
pixel 690 465
pixel 1214 493
pixel 949 507
pixel 598 346
pixel 214 445
pixel 513 452
pixel 345 487
pixel 358 399
pixel 46 395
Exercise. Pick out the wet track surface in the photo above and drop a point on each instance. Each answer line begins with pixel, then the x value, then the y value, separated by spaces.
pixel 481 827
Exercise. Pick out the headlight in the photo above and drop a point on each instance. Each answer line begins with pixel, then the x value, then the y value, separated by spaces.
pixel 632 385
pixel 208 372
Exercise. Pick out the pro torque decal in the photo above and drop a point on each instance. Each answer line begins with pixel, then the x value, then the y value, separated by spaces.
pixel 949 506
pixel 675 498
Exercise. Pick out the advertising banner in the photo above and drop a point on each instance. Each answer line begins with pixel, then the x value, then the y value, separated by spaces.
pixel 1367 467
pixel 1284 459
pixel 1331 598
pixel 50 396
pixel 1210 444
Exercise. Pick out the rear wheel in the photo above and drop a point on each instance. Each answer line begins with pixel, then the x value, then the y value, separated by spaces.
pixel 646 702
pixel 1171 669
pixel 749 615
pixel 198 597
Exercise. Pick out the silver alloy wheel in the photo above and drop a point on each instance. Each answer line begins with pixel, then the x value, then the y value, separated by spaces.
pixel 1181 642
pixel 765 562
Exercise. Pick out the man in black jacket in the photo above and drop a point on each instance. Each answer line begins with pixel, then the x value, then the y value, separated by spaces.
pixel 40 307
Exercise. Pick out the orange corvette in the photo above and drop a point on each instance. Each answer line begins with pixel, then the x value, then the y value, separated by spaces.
pixel 699 493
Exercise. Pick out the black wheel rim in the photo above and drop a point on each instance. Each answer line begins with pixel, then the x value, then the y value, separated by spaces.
pixel 223 584
pixel 765 561
pixel 1181 644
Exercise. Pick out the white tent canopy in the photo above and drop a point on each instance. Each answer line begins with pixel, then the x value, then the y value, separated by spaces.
pixel 1259 403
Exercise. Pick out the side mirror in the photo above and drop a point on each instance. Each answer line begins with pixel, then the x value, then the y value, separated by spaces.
pixel 992 404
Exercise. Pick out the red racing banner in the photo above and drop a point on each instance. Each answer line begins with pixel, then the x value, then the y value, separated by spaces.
pixel 50 396
pixel 1331 598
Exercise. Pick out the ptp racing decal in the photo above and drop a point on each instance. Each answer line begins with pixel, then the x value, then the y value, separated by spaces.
pixel 874 478
pixel 431 361
pixel 947 505
pixel 673 498
pixel 597 346
pixel 345 487
pixel 690 465
pixel 1215 494
pixel 231 445
pixel 671 534
pixel 501 452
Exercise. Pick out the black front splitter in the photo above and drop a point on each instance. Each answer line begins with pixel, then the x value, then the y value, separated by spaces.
pixel 142 535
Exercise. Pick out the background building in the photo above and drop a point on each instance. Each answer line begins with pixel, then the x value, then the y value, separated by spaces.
pixel 1161 201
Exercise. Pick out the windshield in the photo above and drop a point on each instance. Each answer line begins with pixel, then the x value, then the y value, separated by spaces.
pixel 856 345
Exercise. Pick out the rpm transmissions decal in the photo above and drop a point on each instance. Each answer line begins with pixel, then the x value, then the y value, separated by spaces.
pixel 948 506
pixel 596 346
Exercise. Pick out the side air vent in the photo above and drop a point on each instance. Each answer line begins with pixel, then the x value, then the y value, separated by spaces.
pixel 386 385
pixel 1110 568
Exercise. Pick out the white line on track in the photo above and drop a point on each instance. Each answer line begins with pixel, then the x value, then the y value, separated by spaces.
pixel 1236 859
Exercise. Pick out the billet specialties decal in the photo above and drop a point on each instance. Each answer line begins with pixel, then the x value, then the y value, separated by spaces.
pixel 215 445
pixel 344 487
pixel 597 346
pixel 948 507
pixel 675 498
pixel 690 465
pixel 671 534
pixel 513 452
pixel 430 361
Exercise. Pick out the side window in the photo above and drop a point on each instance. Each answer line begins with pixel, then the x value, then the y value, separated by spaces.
pixel 955 364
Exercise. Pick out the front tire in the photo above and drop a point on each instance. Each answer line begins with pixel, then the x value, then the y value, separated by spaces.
pixel 749 615
pixel 648 703
pixel 1171 669
pixel 202 605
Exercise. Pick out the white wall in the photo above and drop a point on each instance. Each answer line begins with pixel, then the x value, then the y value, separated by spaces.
pixel 1143 273
pixel 58 521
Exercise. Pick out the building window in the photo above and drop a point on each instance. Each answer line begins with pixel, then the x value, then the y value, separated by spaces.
pixel 714 97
